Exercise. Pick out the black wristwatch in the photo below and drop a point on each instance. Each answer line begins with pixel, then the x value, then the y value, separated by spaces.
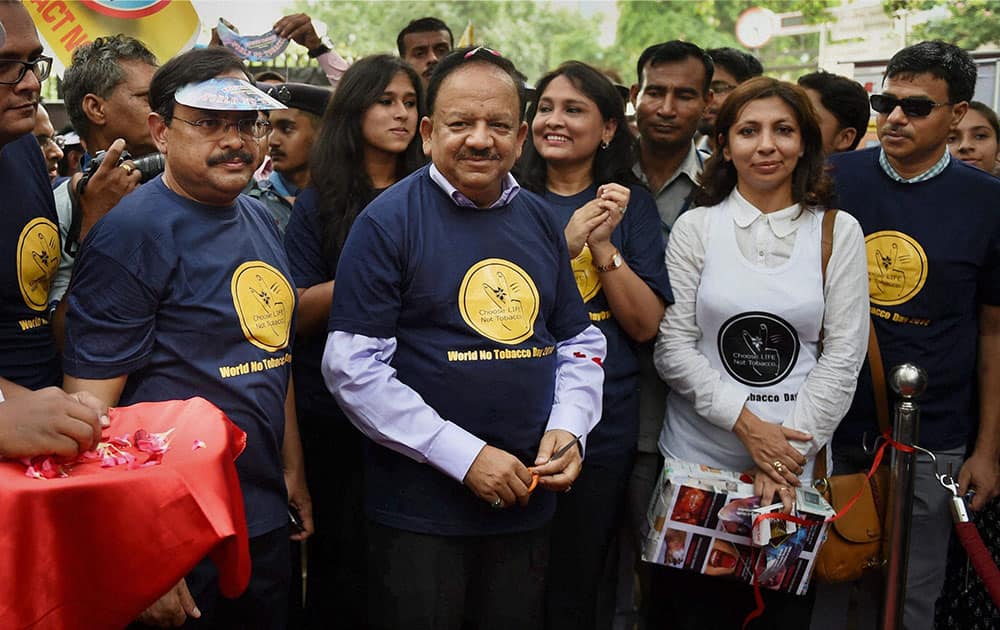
pixel 322 49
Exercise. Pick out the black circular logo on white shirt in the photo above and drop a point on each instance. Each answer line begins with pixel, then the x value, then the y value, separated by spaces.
pixel 757 348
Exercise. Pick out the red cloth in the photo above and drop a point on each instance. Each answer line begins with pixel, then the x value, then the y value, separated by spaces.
pixel 95 549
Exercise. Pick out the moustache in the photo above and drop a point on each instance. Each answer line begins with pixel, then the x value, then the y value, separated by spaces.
pixel 478 155
pixel 243 156
pixel 894 129
pixel 277 154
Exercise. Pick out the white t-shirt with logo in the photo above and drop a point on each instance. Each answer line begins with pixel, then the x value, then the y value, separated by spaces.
pixel 746 327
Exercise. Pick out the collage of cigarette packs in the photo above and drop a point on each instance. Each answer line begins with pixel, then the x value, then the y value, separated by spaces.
pixel 702 519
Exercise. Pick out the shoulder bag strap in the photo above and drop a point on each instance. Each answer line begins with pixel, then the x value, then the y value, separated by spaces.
pixel 826 249
pixel 874 353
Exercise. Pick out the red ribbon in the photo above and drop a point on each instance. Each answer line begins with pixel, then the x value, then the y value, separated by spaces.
pixel 758 597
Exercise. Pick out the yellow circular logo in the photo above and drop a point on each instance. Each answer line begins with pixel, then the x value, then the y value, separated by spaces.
pixel 897 267
pixel 588 281
pixel 264 302
pixel 37 261
pixel 499 301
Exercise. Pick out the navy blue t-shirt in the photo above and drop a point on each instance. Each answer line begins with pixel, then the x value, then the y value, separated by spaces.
pixel 476 299
pixel 933 257
pixel 29 257
pixel 192 300
pixel 640 242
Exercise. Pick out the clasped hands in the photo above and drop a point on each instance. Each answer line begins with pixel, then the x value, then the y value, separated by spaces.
pixel 597 219
pixel 778 464
pixel 497 474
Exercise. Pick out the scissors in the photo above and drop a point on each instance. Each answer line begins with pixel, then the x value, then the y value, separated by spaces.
pixel 562 451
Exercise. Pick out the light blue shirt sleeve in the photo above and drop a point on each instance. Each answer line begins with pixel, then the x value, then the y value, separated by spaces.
pixel 579 393
pixel 358 372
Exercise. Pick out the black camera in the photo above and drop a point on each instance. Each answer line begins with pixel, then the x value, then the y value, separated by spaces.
pixel 148 167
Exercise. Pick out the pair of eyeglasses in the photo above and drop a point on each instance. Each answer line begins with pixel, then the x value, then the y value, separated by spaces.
pixel 721 87
pixel 44 141
pixel 217 128
pixel 912 106
pixel 13 70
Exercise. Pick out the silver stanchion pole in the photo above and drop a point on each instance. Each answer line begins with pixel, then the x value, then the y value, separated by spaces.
pixel 909 382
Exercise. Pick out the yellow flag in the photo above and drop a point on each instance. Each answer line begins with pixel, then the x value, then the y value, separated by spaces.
pixel 166 27
pixel 468 37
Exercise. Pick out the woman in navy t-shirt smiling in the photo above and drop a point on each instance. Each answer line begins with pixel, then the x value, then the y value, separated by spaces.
pixel 578 156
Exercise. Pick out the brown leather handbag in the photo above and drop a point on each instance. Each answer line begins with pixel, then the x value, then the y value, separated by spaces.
pixel 854 541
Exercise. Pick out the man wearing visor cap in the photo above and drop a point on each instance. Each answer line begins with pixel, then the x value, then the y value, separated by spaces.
pixel 183 290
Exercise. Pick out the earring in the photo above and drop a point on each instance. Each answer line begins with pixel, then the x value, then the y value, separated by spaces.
pixel 604 145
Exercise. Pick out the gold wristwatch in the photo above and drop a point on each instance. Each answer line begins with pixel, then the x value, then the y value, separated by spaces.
pixel 616 262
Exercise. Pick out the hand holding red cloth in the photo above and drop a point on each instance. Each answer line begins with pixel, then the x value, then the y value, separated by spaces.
pixel 94 549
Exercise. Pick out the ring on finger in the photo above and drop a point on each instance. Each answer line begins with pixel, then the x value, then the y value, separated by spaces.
pixel 496 505
pixel 128 168
pixel 777 465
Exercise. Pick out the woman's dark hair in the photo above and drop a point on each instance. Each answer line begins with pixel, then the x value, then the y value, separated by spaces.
pixel 989 115
pixel 337 163
pixel 613 164
pixel 811 186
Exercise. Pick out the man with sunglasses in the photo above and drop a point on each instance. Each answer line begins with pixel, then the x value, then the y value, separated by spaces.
pixel 182 290
pixel 36 417
pixel 933 242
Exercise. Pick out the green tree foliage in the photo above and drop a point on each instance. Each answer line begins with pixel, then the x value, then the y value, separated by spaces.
pixel 538 36
pixel 710 24
pixel 535 35
pixel 967 23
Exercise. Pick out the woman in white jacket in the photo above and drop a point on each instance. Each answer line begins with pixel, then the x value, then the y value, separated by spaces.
pixel 751 390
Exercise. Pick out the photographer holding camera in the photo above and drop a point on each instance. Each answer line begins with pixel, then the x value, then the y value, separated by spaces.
pixel 106 92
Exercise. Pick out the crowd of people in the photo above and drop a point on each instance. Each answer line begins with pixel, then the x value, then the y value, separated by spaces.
pixel 489 311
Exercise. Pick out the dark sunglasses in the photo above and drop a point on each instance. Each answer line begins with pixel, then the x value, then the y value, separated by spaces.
pixel 911 105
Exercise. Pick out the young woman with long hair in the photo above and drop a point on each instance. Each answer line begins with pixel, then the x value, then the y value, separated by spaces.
pixel 579 157
pixel 368 141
